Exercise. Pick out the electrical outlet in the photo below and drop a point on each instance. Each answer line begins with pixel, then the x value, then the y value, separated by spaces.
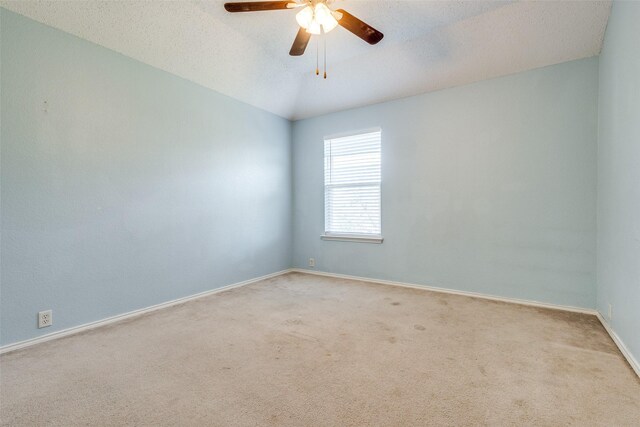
pixel 45 318
pixel 610 312
pixel 312 262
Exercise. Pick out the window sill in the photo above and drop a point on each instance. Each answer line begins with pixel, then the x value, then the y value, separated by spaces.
pixel 352 238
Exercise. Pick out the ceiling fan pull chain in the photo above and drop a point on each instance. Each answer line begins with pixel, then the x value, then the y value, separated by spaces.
pixel 317 56
pixel 324 37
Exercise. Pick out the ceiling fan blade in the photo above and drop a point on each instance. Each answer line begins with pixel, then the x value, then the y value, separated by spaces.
pixel 359 28
pixel 300 43
pixel 258 6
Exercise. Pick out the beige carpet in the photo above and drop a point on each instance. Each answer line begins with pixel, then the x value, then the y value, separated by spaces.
pixel 302 350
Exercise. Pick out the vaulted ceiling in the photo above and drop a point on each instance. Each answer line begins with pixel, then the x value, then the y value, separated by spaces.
pixel 428 45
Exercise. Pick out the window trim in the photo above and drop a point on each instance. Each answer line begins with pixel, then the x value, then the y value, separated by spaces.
pixel 354 237
pixel 364 238
pixel 354 133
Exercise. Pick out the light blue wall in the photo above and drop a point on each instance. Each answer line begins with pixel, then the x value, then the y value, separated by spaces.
pixel 619 174
pixel 489 187
pixel 129 186
pixel 123 186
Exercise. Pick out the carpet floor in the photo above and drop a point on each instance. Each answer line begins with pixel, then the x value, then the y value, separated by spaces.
pixel 303 350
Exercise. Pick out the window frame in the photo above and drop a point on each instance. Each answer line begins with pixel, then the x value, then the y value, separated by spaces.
pixel 351 237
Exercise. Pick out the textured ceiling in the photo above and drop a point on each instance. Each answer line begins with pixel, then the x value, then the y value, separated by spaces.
pixel 428 45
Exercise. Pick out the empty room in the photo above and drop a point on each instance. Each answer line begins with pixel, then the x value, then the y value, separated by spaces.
pixel 319 213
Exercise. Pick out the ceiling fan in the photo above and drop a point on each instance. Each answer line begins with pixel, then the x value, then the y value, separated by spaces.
pixel 315 18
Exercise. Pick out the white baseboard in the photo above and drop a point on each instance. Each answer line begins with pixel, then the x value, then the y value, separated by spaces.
pixel 92 325
pixel 451 291
pixel 623 348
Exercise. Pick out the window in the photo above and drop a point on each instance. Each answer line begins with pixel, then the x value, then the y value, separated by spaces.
pixel 352 176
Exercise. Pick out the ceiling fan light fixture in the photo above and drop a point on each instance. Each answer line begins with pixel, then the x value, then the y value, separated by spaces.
pixel 324 17
pixel 329 25
pixel 316 18
pixel 322 11
pixel 305 17
pixel 314 27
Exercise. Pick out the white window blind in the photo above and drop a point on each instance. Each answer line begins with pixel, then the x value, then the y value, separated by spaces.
pixel 352 176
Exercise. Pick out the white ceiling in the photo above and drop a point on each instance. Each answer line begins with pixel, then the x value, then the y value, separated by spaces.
pixel 428 45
